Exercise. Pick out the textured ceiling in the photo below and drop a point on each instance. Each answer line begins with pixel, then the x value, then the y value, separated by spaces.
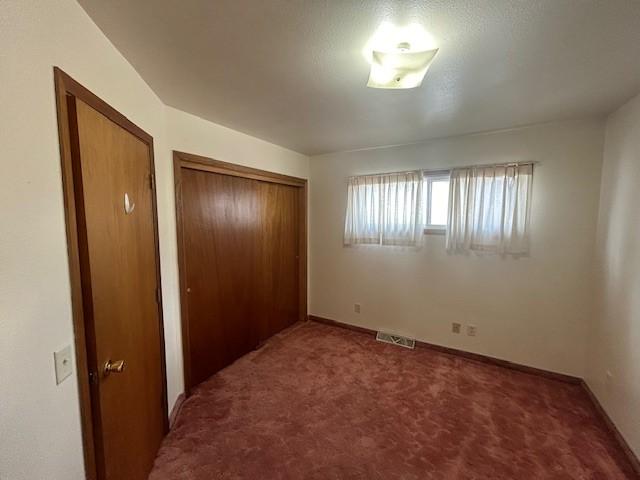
pixel 292 71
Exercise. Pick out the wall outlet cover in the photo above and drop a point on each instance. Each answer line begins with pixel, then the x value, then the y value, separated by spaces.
pixel 356 307
pixel 63 364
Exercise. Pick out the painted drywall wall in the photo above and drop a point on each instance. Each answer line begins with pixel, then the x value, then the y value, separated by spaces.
pixel 39 421
pixel 615 335
pixel 188 133
pixel 533 311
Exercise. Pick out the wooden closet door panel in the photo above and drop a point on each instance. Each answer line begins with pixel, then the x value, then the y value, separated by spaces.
pixel 279 257
pixel 220 227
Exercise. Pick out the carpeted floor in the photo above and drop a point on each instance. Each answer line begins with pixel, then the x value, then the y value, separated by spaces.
pixel 320 402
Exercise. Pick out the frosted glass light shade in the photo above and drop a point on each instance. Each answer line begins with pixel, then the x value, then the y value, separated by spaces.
pixel 402 69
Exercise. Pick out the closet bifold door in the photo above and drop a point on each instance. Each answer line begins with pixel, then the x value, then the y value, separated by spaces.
pixel 242 245
pixel 277 282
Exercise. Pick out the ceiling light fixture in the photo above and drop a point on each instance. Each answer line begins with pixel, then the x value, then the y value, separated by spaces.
pixel 405 63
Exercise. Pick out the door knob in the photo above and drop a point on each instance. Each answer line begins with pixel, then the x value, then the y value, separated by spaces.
pixel 114 367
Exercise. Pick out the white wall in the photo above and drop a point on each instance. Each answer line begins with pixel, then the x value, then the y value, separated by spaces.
pixel 191 134
pixel 39 421
pixel 615 339
pixel 532 311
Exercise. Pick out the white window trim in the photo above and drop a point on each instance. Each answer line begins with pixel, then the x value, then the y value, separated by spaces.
pixel 429 178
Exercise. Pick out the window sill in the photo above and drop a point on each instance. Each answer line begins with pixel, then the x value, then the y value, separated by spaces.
pixel 435 231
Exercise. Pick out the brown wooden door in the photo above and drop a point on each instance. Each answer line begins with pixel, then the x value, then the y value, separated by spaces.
pixel 120 286
pixel 241 263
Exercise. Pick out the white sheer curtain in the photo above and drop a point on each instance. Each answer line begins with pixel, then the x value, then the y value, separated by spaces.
pixel 384 209
pixel 489 209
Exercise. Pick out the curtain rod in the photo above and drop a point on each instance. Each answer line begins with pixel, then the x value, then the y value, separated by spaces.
pixel 447 170
pixel 510 164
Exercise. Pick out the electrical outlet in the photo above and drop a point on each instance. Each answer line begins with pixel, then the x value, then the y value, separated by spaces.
pixel 471 330
pixel 356 307
pixel 455 327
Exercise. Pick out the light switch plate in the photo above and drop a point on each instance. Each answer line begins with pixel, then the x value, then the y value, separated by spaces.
pixel 63 364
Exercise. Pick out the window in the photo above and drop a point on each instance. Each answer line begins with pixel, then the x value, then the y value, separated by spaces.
pixel 384 209
pixel 482 208
pixel 490 209
pixel 436 202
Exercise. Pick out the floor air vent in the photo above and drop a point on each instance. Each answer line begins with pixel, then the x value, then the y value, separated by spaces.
pixel 396 340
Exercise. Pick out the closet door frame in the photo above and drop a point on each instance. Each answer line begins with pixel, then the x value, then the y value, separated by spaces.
pixel 196 162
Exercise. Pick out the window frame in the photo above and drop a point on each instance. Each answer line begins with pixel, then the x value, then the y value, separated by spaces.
pixel 429 178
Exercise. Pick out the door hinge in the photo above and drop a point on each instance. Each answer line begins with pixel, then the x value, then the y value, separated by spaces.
pixel 158 295
pixel 93 378
pixel 152 181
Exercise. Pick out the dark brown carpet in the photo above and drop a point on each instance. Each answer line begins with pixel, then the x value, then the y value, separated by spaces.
pixel 320 402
